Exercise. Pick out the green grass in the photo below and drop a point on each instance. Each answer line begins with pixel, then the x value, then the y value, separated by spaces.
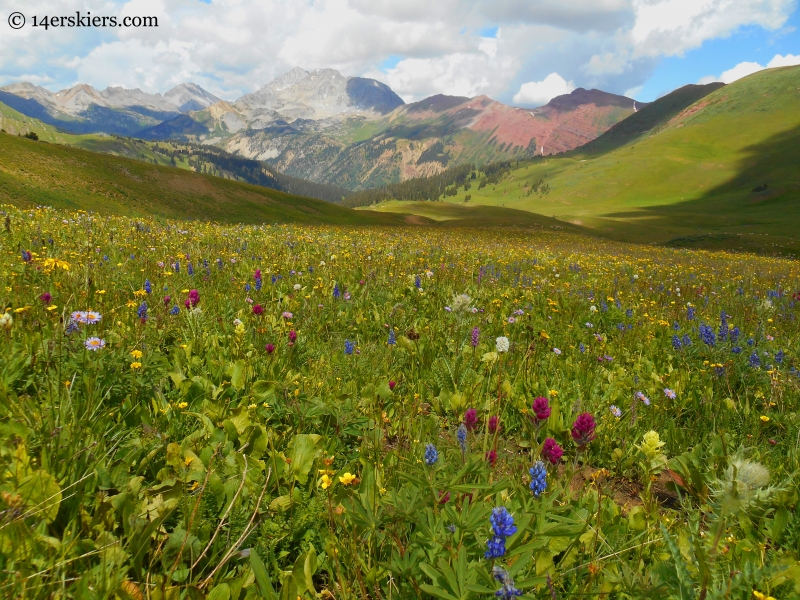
pixel 447 214
pixel 690 178
pixel 38 173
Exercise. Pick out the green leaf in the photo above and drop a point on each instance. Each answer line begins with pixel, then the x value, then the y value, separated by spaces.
pixel 41 493
pixel 436 592
pixel 262 576
pixel 220 591
pixel 238 374
pixel 303 450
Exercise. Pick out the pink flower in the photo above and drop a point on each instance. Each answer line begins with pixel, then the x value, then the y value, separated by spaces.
pixel 46 297
pixel 166 300
pixel 541 408
pixel 491 457
pixel 194 298
pixel 471 419
pixel 494 424
pixel 392 385
pixel 258 309
pixel 292 337
pixel 269 348
pixel 583 429
pixel 552 451
pixel 287 315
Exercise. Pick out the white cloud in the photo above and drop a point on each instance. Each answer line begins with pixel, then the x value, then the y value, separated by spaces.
pixel 790 60
pixel 536 93
pixel 743 69
pixel 231 47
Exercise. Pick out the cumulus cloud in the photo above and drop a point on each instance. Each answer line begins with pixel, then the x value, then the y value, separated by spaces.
pixel 231 47
pixel 536 93
pixel 743 69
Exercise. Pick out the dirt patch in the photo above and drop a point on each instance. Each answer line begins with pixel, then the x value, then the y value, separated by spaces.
pixel 625 492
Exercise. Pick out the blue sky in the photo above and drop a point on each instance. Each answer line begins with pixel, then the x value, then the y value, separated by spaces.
pixel 521 52
pixel 749 44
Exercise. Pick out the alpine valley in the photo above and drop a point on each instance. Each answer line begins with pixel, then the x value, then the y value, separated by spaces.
pixel 352 132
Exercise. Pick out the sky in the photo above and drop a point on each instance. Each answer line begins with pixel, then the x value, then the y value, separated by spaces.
pixel 521 52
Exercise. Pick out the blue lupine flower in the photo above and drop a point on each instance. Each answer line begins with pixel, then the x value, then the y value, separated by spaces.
pixel 750 342
pixel 779 357
pixel 336 292
pixel 142 311
pixel 690 313
pixel 507 589
pixel 205 263
pixel 604 306
pixel 734 334
pixel 348 347
pixel 258 284
pixel 431 455
pixel 582 348
pixel 736 349
pixel 175 310
pixel 392 341
pixel 629 313
pixel 190 269
pixel 687 341
pixel 417 282
pixel 676 342
pixel 27 256
pixel 538 478
pixel 755 362
pixel 177 266
pixel 461 435
pixel 495 547
pixel 502 522
pixel 274 279
pixel 707 334
pixel 675 326
pixel 246 287
pixel 148 287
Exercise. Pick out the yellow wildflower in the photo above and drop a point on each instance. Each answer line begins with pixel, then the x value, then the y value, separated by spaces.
pixel 347 478
pixel 136 365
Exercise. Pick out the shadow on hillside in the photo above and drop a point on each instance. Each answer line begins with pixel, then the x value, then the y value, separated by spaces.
pixel 763 197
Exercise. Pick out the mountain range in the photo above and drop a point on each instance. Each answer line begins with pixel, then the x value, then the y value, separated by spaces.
pixel 322 126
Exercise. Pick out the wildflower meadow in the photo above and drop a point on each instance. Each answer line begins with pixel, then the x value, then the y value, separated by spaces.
pixel 190 410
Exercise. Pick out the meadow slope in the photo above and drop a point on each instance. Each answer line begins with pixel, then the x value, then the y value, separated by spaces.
pixel 722 172
pixel 39 173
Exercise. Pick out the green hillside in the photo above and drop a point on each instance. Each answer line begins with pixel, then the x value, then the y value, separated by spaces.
pixel 446 214
pixel 41 173
pixel 722 172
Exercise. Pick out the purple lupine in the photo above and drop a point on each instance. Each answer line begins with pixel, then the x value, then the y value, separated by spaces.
pixel 476 334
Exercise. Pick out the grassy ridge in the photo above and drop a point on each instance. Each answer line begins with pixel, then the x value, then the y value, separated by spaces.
pixel 691 179
pixel 36 173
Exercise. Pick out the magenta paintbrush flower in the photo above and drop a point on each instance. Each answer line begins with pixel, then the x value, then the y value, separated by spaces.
pixel 541 408
pixel 471 419
pixel 583 429
pixel 551 451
